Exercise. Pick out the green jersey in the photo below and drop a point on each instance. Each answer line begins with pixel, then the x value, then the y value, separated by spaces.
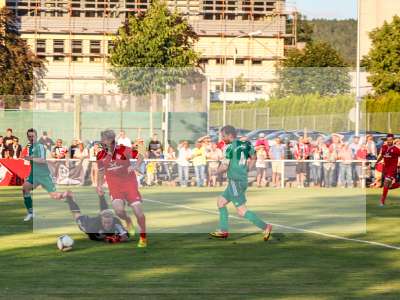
pixel 38 151
pixel 238 152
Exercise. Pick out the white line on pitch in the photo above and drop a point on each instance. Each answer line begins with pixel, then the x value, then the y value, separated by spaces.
pixel 282 226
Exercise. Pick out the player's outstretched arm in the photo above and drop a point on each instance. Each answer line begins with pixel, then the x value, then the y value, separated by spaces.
pixel 100 182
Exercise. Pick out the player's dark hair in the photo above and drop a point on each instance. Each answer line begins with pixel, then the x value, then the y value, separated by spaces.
pixel 31 130
pixel 229 130
pixel 108 133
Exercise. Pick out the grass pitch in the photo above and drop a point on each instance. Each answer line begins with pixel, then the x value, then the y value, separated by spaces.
pixel 190 265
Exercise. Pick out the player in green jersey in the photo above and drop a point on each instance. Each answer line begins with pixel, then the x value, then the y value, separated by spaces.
pixel 239 158
pixel 39 175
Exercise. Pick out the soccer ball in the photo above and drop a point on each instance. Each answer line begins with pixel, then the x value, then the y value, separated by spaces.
pixel 65 243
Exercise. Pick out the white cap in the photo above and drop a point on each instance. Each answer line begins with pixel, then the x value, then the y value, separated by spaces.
pixel 261 135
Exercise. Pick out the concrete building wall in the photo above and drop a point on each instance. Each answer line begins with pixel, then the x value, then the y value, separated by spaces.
pixel 227 50
pixel 373 13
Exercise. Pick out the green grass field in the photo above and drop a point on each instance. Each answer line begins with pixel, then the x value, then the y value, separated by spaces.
pixel 190 265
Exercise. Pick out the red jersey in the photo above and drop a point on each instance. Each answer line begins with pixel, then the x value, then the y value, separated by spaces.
pixel 262 143
pixel 221 145
pixel 121 181
pixel 391 156
pixel 302 151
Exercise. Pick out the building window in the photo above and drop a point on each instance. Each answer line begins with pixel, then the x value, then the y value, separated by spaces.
pixel 40 96
pixel 220 61
pixel 239 61
pixel 255 61
pixel 95 59
pixel 77 58
pixel 58 96
pixel 203 61
pixel 110 46
pixel 256 88
pixel 58 46
pixel 76 47
pixel 40 46
pixel 95 47
pixel 58 58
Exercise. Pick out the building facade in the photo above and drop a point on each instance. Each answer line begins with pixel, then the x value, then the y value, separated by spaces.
pixel 238 40
pixel 373 13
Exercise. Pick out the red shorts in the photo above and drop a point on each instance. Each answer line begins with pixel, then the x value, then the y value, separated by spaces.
pixel 390 172
pixel 125 191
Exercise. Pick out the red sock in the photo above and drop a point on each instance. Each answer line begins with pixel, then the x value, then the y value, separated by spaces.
pixel 395 186
pixel 143 235
pixel 384 194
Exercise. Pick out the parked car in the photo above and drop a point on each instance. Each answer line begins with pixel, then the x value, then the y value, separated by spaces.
pixel 253 135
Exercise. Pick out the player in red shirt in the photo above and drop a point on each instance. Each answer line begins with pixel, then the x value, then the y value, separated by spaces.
pixel 390 154
pixel 114 165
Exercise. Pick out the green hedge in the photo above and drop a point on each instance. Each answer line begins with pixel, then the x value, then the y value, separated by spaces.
pixel 319 105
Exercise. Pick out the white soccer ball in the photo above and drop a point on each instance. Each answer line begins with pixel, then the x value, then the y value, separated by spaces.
pixel 65 243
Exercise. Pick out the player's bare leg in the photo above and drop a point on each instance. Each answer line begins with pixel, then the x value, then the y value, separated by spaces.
pixel 388 185
pixel 253 218
pixel 26 192
pixel 222 232
pixel 119 208
pixel 141 221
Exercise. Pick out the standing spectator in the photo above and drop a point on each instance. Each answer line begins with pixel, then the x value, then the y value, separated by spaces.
pixel 345 175
pixel 94 171
pixel 261 165
pixel 170 156
pixel 123 139
pixel 46 141
pixel 73 147
pixel 184 156
pixel 372 152
pixel 16 148
pixel 354 146
pixel 215 156
pixel 334 148
pixel 8 140
pixel 82 153
pixel 151 173
pixel 288 149
pixel 262 142
pixel 316 165
pixel 140 147
pixel 302 152
pixel 1 146
pixel 199 163
pixel 328 166
pixel 276 153
pixel 360 167
pixel 155 148
pixel 59 151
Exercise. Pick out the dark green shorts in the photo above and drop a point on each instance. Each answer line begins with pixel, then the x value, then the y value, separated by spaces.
pixel 44 180
pixel 235 192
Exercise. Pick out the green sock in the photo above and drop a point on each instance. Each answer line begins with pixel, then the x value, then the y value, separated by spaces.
pixel 253 218
pixel 28 203
pixel 223 218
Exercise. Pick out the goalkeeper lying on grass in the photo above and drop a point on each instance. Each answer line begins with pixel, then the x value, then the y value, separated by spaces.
pixel 104 227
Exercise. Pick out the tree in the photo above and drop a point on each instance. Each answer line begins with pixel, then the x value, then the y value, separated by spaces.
pixel 341 34
pixel 383 60
pixel 317 69
pixel 20 70
pixel 305 29
pixel 239 83
pixel 153 50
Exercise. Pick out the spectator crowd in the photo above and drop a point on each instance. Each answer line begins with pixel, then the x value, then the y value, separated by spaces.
pixel 307 162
